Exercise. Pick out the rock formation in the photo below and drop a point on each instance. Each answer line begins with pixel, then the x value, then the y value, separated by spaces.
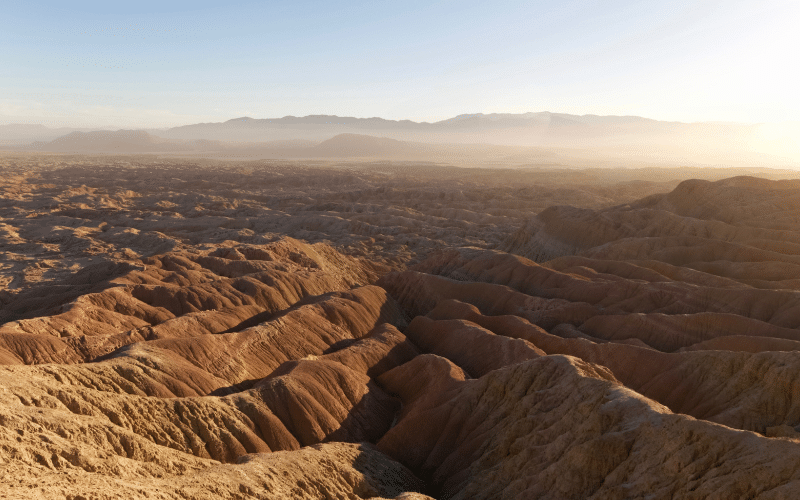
pixel 240 338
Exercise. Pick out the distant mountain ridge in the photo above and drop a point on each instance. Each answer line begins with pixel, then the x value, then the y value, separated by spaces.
pixel 525 129
pixel 618 139
pixel 502 119
pixel 464 121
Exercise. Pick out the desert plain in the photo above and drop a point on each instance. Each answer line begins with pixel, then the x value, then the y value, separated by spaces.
pixel 187 328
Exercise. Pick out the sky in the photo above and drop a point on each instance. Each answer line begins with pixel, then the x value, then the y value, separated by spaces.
pixel 166 63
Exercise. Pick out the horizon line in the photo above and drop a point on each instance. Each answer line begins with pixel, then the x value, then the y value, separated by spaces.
pixel 462 115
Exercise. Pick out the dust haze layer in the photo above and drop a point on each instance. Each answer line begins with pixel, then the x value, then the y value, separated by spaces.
pixel 185 328
pixel 541 138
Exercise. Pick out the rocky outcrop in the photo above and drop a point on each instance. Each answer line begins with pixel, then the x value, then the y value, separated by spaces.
pixel 738 389
pixel 557 427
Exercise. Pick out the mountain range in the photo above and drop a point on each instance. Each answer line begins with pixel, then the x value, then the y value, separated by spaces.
pixel 518 137
pixel 527 129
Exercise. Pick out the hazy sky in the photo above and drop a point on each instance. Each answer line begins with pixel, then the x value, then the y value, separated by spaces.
pixel 174 62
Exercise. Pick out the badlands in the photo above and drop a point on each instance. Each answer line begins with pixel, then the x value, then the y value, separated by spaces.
pixel 193 329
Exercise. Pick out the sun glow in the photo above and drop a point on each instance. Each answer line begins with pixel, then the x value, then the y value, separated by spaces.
pixel 779 139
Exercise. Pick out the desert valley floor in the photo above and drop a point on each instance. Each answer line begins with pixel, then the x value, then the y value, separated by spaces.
pixel 194 329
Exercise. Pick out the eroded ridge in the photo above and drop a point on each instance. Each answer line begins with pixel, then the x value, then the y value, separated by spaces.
pixel 192 359
pixel 285 369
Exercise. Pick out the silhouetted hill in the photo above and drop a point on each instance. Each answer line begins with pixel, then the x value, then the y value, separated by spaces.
pixel 24 133
pixel 121 141
pixel 350 145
